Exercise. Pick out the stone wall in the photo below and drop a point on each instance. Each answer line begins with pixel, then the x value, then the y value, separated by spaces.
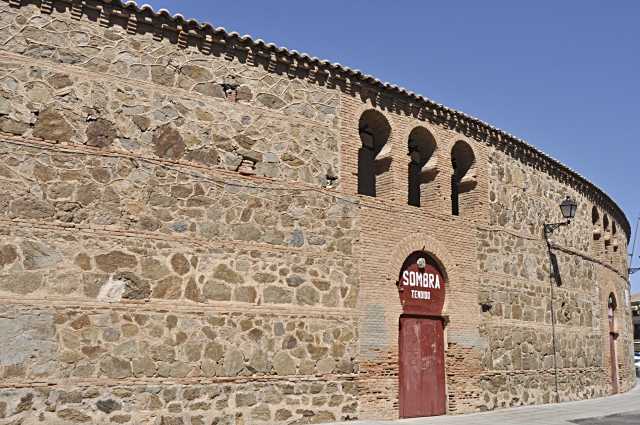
pixel 147 286
pixel 72 80
pixel 519 275
pixel 253 401
pixel 96 266
pixel 168 253
pixel 182 241
pixel 45 344
pixel 73 187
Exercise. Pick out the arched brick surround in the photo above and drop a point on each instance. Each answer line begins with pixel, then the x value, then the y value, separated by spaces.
pixel 435 249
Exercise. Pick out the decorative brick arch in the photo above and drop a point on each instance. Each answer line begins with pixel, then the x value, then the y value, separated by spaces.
pixel 418 242
pixel 408 129
pixel 422 242
pixel 368 105
pixel 469 179
pixel 612 333
pixel 610 289
pixel 372 106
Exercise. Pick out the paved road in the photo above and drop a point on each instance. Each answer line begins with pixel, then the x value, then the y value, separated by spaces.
pixel 621 409
pixel 632 418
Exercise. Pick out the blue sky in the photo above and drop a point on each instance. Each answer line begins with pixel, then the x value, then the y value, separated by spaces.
pixel 563 75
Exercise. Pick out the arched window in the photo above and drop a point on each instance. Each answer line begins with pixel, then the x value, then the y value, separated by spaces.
pixel 612 305
pixel 607 236
pixel 614 230
pixel 595 221
pixel 462 179
pixel 422 163
pixel 373 155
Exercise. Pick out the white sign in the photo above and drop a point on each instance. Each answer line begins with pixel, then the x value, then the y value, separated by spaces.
pixel 421 280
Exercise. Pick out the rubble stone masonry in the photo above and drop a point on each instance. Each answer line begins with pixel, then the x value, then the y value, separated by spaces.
pixel 182 241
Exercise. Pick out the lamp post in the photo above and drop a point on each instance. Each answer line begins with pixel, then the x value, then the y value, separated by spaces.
pixel 568 208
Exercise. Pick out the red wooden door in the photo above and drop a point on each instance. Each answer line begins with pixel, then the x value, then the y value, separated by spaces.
pixel 614 363
pixel 422 384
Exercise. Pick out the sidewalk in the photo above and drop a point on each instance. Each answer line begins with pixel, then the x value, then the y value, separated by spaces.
pixel 625 406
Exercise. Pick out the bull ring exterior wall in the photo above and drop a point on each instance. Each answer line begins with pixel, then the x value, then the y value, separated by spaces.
pixel 183 241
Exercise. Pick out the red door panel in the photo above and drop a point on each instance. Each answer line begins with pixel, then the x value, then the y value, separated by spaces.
pixel 422 379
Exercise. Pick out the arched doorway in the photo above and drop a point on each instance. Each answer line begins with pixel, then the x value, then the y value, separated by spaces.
pixel 613 335
pixel 422 390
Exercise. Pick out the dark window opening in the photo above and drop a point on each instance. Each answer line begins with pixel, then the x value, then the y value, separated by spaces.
pixel 421 147
pixel 462 160
pixel 607 237
pixel 612 305
pixel 374 130
pixel 455 189
pixel 595 220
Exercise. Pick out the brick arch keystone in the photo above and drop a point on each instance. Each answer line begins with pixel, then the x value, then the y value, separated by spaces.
pixel 419 242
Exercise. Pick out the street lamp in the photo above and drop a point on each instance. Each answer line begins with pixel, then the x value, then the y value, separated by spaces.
pixel 568 208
